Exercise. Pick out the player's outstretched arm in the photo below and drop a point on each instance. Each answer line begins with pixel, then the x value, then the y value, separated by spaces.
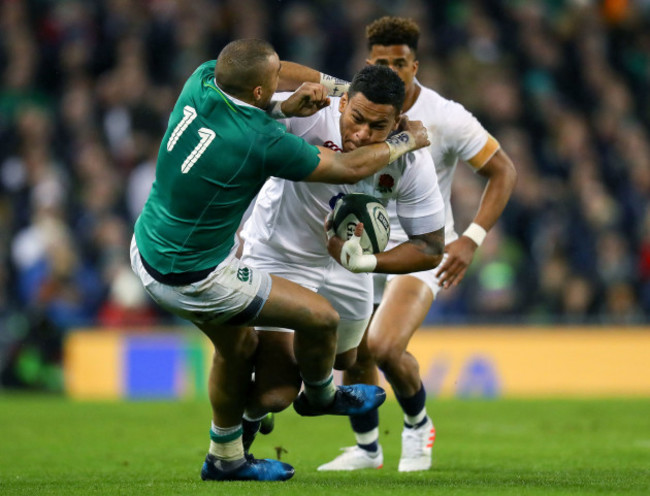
pixel 292 75
pixel 351 167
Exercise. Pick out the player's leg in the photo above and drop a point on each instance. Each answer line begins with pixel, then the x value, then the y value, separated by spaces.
pixel 228 384
pixel 350 304
pixel 315 321
pixel 276 381
pixel 287 304
pixel 404 305
pixel 229 387
pixel 364 370
pixel 312 318
pixel 277 378
pixel 220 305
pixel 367 453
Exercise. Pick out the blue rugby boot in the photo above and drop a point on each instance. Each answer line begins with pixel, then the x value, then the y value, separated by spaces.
pixel 252 469
pixel 348 400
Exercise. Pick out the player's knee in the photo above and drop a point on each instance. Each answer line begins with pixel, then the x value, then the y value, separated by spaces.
pixel 278 399
pixel 326 320
pixel 383 352
pixel 345 360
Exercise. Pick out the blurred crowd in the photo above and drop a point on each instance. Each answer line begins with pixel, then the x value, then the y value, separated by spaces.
pixel 87 86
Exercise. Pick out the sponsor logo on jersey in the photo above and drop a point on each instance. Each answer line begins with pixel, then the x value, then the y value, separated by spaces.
pixel 244 274
pixel 332 146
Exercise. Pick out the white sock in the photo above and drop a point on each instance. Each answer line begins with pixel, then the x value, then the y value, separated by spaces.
pixel 320 393
pixel 415 419
pixel 365 438
pixel 226 442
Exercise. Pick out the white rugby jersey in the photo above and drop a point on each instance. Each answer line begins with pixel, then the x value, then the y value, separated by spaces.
pixel 454 133
pixel 287 219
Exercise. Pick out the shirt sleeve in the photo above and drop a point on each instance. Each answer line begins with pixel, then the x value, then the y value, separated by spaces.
pixel 420 207
pixel 291 157
pixel 467 137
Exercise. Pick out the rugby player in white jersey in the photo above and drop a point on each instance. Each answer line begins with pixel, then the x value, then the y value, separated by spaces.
pixel 220 146
pixel 285 237
pixel 405 300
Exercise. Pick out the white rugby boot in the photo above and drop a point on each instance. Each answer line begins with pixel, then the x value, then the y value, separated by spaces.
pixel 417 447
pixel 354 458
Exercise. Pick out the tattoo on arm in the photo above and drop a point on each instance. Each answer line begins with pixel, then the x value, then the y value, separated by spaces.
pixel 432 243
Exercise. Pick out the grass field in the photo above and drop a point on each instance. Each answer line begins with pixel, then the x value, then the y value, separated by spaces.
pixel 50 445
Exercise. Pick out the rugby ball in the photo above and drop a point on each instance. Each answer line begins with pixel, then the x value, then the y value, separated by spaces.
pixel 353 208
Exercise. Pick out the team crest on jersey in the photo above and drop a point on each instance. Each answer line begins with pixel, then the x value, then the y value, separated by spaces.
pixel 385 183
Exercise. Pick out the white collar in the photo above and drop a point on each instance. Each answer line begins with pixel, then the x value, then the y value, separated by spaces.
pixel 235 99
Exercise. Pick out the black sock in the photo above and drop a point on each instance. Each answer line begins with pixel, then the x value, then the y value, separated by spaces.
pixel 413 405
pixel 249 431
pixel 366 423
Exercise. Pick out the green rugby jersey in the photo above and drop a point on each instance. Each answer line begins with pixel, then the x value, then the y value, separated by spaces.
pixel 213 159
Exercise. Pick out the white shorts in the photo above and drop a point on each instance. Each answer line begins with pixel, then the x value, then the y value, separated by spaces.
pixel 428 277
pixel 350 294
pixel 232 294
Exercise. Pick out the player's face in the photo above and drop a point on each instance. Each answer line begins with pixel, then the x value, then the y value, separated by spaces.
pixel 400 58
pixel 271 81
pixel 364 122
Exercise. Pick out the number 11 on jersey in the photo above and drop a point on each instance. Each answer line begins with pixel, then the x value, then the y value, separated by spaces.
pixel 207 135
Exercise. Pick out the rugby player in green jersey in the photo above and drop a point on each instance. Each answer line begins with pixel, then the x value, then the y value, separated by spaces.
pixel 221 145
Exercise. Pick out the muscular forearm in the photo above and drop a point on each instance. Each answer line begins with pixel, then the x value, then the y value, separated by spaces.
pixel 502 178
pixel 351 167
pixel 411 256
pixel 292 75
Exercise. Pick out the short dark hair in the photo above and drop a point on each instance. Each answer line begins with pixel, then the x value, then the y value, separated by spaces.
pixel 242 65
pixel 379 84
pixel 393 31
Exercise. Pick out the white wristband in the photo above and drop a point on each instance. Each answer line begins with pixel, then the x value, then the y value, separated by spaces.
pixel 353 259
pixel 399 144
pixel 361 263
pixel 335 86
pixel 476 233
pixel 274 110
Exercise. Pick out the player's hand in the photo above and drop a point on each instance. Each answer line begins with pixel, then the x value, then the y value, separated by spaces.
pixel 352 256
pixel 334 243
pixel 417 130
pixel 308 99
pixel 459 255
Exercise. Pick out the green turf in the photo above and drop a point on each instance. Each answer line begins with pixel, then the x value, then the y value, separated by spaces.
pixel 52 446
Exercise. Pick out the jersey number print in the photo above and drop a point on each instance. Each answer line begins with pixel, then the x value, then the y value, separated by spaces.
pixel 207 135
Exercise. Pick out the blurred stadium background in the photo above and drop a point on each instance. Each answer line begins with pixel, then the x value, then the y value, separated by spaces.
pixel 85 91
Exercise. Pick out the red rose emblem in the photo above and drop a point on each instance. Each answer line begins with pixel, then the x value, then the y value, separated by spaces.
pixel 386 183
